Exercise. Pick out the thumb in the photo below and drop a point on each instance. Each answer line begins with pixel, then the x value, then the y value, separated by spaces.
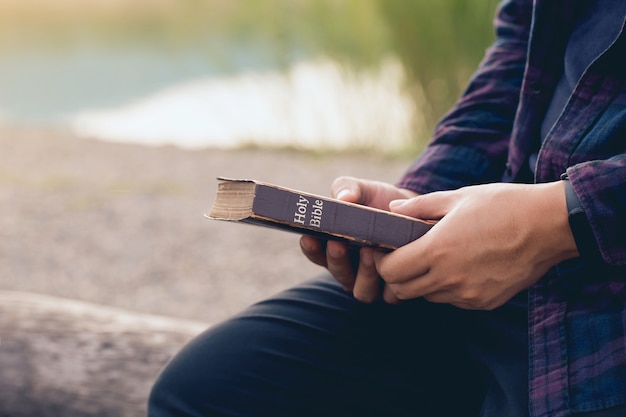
pixel 347 189
pixel 432 206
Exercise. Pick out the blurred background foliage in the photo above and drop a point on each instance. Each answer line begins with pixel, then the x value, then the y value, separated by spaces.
pixel 439 42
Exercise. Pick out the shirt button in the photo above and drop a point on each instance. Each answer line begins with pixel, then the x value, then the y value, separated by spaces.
pixel 535 88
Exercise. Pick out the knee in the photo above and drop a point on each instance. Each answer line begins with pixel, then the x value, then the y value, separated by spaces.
pixel 194 382
pixel 172 394
pixel 160 401
pixel 183 385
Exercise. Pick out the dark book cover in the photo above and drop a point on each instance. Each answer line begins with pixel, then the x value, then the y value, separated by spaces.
pixel 278 207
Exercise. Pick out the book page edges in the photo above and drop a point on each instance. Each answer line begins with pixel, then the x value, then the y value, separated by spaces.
pixel 233 200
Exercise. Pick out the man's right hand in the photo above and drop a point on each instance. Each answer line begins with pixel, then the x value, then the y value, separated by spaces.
pixel 354 269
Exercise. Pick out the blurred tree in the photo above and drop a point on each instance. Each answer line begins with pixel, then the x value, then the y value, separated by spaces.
pixel 440 43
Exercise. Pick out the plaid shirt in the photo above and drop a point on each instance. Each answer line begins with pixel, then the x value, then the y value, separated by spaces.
pixel 577 312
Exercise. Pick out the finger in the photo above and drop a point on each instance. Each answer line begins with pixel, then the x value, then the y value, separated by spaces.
pixel 347 189
pixel 426 206
pixel 367 285
pixel 446 297
pixel 389 296
pixel 405 263
pixel 427 286
pixel 340 264
pixel 314 249
pixel 438 297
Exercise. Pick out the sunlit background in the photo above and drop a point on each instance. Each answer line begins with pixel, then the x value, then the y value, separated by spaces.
pixel 223 73
pixel 117 115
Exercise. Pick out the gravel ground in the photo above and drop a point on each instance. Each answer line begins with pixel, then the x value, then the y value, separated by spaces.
pixel 122 225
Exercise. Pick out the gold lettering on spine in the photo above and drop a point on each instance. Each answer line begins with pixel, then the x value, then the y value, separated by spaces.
pixel 316 214
pixel 301 209
pixel 302 212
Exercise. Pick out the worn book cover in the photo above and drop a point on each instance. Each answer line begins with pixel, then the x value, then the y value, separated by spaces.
pixel 260 203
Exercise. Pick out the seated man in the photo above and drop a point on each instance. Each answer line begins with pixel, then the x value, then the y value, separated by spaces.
pixel 514 304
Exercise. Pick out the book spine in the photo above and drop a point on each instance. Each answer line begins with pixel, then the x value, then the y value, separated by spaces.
pixel 336 219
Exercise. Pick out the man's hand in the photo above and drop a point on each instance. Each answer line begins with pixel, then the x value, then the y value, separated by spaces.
pixel 354 269
pixel 491 242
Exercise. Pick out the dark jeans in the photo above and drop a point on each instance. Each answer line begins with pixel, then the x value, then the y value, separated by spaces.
pixel 314 351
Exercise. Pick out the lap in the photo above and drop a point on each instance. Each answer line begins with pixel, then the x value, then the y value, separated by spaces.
pixel 314 351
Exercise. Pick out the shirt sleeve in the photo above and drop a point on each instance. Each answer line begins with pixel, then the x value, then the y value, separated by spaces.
pixel 470 144
pixel 601 188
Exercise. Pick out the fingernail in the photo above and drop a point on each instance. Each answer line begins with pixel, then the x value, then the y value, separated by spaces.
pixel 342 193
pixel 397 203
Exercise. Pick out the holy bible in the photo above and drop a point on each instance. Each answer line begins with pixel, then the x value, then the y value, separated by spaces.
pixel 264 204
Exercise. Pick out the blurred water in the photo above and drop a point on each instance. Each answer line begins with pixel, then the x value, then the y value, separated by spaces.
pixel 142 96
pixel 187 96
pixel 40 86
pixel 314 104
